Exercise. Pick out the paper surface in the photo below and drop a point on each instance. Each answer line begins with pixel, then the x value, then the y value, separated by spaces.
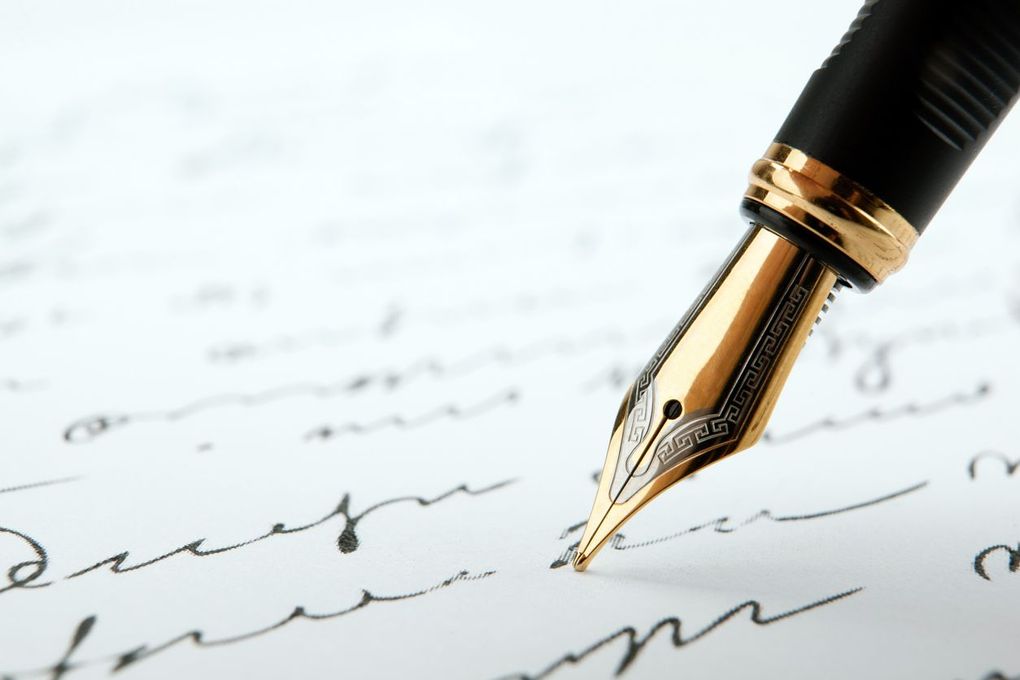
pixel 315 319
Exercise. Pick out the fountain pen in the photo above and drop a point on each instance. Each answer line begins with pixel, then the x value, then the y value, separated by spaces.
pixel 878 138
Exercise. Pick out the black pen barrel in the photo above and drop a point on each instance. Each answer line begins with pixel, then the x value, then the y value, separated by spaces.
pixel 904 103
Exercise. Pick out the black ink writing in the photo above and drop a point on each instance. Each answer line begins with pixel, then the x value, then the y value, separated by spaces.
pixel 36 485
pixel 876 375
pixel 1012 553
pixel 877 414
pixel 24 574
pixel 1009 466
pixel 198 638
pixel 635 643
pixel 449 411
pixel 347 542
pixel 722 525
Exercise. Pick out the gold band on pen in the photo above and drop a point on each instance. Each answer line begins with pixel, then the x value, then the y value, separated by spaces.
pixel 834 207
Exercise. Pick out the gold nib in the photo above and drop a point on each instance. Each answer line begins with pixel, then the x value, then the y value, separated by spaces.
pixel 712 384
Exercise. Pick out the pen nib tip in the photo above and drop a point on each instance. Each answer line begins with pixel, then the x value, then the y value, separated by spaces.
pixel 600 528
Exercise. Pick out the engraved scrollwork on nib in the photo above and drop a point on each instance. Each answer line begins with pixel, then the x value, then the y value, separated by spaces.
pixel 713 428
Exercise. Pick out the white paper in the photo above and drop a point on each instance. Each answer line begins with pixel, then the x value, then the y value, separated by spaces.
pixel 328 308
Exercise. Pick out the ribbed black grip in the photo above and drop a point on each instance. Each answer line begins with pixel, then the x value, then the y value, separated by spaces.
pixel 909 96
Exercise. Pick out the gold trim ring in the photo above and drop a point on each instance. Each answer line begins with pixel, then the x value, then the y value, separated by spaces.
pixel 834 207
